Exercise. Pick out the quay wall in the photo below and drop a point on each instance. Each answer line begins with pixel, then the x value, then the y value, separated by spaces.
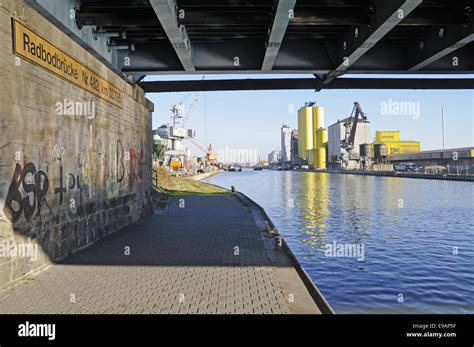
pixel 67 179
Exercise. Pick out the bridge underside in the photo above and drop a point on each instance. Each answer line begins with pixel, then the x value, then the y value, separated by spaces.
pixel 306 83
pixel 326 38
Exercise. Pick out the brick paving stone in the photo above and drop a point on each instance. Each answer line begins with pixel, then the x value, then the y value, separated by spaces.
pixel 187 251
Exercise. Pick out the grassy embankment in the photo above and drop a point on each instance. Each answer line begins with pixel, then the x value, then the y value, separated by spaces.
pixel 173 186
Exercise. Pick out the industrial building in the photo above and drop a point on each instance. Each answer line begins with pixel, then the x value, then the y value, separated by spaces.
pixel 345 144
pixel 285 144
pixel 161 143
pixel 312 136
pixel 274 157
pixel 337 133
pixel 394 145
pixel 454 160
pixel 295 159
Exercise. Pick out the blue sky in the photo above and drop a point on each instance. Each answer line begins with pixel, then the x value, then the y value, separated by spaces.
pixel 252 119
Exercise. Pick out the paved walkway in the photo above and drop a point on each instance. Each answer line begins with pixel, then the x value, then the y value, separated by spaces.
pixel 204 257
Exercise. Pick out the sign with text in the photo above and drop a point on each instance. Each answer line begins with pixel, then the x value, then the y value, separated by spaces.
pixel 39 51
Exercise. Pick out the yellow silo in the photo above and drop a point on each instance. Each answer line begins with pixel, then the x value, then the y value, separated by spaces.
pixel 300 131
pixel 310 157
pixel 318 120
pixel 321 143
pixel 314 157
pixel 321 137
pixel 305 131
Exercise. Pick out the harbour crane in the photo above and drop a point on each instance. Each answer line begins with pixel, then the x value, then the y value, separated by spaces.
pixel 191 107
pixel 176 157
pixel 211 157
pixel 350 126
pixel 181 117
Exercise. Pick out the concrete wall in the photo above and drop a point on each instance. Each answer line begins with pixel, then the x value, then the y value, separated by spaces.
pixel 65 181
pixel 336 133
pixel 362 135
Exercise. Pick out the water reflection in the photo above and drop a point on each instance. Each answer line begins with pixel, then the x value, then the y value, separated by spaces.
pixel 408 228
pixel 314 194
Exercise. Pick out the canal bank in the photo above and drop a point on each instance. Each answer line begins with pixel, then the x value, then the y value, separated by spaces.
pixel 288 267
pixel 201 176
pixel 203 253
pixel 416 236
pixel 419 175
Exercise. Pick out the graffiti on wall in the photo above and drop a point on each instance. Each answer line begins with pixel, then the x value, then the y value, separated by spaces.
pixel 35 184
pixel 98 172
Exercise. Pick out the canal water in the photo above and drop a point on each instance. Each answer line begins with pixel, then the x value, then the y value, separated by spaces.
pixel 373 244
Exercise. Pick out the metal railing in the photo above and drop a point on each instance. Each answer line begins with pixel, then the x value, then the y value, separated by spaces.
pixel 154 178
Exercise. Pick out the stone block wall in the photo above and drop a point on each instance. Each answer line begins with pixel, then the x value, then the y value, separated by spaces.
pixel 65 180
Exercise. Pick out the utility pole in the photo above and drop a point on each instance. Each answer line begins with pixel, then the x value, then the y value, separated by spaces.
pixel 442 123
pixel 205 118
